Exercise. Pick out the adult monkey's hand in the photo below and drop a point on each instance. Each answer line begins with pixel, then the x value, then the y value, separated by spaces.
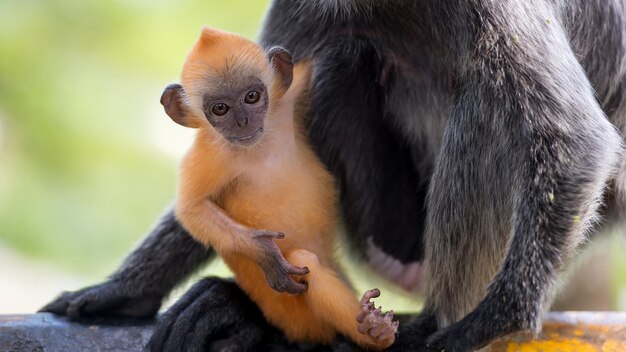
pixel 165 258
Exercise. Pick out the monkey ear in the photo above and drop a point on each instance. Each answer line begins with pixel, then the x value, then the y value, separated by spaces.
pixel 172 101
pixel 283 64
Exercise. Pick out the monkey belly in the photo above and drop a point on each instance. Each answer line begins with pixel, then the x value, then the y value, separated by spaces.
pixel 292 314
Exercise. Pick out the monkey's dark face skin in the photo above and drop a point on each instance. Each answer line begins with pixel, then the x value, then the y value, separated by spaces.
pixel 238 113
pixel 230 96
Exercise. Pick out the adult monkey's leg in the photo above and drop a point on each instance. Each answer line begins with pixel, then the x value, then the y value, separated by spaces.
pixel 524 161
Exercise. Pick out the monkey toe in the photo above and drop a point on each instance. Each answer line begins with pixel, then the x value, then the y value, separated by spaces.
pixel 175 327
pixel 368 295
pixel 226 345
pixel 213 315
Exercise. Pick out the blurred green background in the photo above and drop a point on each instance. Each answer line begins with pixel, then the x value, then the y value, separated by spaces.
pixel 87 157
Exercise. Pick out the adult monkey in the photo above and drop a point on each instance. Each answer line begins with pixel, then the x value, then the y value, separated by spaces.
pixel 488 105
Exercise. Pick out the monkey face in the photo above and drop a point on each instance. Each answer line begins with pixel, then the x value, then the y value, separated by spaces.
pixel 229 82
pixel 238 113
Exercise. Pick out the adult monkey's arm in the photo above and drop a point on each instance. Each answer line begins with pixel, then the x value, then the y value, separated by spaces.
pixel 165 257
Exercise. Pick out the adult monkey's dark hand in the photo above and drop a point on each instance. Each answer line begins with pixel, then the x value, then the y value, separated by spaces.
pixel 165 258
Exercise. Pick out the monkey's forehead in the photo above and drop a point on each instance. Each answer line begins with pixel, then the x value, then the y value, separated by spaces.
pixel 226 58
pixel 235 74
pixel 223 50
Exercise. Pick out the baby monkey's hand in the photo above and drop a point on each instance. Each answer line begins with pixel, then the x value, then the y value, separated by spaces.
pixel 276 268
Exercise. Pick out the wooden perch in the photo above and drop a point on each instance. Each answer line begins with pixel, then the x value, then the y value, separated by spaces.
pixel 571 331
pixel 562 332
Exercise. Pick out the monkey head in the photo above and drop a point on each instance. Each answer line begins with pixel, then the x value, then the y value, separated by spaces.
pixel 228 86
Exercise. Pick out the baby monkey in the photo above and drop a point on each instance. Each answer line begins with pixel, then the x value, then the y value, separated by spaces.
pixel 250 174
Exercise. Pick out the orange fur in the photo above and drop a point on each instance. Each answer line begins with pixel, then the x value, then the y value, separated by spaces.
pixel 278 184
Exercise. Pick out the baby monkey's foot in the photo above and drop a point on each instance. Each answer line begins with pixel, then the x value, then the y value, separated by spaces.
pixel 380 328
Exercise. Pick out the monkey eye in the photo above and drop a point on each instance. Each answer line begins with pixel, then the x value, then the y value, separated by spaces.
pixel 252 97
pixel 219 109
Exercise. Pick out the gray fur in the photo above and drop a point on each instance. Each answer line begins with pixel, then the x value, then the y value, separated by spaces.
pixel 509 105
pixel 514 114
pixel 523 165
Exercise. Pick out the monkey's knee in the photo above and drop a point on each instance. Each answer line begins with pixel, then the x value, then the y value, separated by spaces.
pixel 302 258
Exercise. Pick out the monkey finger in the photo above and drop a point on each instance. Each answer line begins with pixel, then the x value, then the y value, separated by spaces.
pixel 269 234
pixel 75 307
pixel 373 293
pixel 146 306
pixel 107 298
pixel 59 305
pixel 296 287
pixel 281 282
pixel 93 306
pixel 295 270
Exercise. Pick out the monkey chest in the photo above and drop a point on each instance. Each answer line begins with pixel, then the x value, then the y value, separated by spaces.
pixel 267 200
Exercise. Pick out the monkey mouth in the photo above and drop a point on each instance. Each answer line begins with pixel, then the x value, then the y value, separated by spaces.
pixel 247 140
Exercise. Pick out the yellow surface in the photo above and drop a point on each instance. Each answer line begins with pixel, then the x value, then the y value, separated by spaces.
pixel 562 337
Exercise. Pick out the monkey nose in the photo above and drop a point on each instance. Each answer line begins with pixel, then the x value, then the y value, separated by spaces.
pixel 242 121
